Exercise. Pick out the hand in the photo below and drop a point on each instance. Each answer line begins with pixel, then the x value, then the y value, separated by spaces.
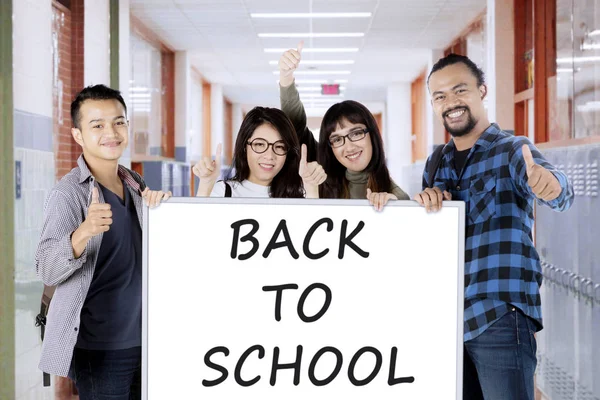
pixel 99 217
pixel 208 170
pixel 288 63
pixel 543 183
pixel 379 199
pixel 312 174
pixel 153 198
pixel 432 198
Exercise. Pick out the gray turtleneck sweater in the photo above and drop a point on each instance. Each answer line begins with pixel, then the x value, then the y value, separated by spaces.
pixel 294 109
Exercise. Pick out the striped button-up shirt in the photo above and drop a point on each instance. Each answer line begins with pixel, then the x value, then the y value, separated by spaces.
pixel 502 267
pixel 65 210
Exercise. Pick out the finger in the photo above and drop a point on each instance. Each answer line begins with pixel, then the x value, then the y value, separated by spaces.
pixel 291 60
pixel 440 198
pixel 145 192
pixel 427 201
pixel 98 207
pixel 534 177
pixel 545 189
pixel 106 221
pixel 369 193
pixel 167 196
pixel 195 170
pixel 447 195
pixel 322 178
pixel 380 201
pixel 433 199
pixel 300 46
pixel 419 199
pixel 554 193
pixel 528 158
pixel 385 200
pixel 286 64
pixel 208 164
pixel 156 198
pixel 95 196
pixel 304 154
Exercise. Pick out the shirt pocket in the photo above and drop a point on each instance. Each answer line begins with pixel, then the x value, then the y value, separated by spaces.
pixel 482 198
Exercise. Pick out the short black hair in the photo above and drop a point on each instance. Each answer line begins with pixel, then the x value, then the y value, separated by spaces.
pixel 455 59
pixel 96 92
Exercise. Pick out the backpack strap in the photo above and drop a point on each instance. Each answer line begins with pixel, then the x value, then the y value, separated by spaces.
pixel 40 319
pixel 227 189
pixel 434 164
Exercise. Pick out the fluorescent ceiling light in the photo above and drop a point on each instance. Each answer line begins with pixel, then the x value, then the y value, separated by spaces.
pixel 559 70
pixel 586 46
pixel 319 62
pixel 569 60
pixel 314 88
pixel 310 35
pixel 313 81
pixel 317 72
pixel 320 96
pixel 594 33
pixel 316 50
pixel 312 15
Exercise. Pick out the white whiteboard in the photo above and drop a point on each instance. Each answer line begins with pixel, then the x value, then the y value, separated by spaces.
pixel 406 294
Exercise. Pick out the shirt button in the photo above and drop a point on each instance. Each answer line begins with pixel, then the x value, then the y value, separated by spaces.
pixel 75 329
pixel 458 188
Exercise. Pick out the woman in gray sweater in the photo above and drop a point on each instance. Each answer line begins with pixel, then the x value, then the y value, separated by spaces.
pixel 350 148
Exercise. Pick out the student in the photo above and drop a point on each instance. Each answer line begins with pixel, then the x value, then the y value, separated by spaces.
pixel 350 147
pixel 266 160
pixel 498 176
pixel 91 250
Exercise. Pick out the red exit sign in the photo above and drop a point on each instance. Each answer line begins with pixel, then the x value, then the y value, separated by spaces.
pixel 333 89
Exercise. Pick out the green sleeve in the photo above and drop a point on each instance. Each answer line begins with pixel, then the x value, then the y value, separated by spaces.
pixel 399 193
pixel 294 109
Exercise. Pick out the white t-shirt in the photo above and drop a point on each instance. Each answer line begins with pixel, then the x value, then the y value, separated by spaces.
pixel 240 189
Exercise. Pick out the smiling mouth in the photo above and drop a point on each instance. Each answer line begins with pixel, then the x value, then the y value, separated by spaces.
pixel 111 144
pixel 354 156
pixel 456 113
pixel 266 166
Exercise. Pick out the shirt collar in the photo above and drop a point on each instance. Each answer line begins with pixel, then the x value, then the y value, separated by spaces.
pixel 124 174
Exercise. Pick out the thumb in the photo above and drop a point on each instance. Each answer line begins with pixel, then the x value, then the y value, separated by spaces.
pixel 368 193
pixel 303 156
pixel 528 158
pixel 447 195
pixel 95 196
pixel 300 46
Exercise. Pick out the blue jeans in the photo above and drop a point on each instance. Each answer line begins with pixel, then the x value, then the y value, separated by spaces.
pixel 500 363
pixel 107 375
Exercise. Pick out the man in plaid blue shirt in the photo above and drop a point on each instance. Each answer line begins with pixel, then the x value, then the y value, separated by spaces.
pixel 498 176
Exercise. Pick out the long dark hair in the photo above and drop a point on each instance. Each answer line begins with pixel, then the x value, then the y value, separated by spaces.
pixel 287 183
pixel 336 185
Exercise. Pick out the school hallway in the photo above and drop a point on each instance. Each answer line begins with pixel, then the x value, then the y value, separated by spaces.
pixel 190 71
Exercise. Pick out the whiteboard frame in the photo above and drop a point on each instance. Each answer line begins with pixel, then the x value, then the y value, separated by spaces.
pixel 328 202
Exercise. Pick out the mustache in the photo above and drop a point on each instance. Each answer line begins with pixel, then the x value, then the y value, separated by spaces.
pixel 456 109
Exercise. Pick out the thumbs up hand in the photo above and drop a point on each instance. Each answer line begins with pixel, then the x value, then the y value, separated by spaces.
pixel 543 183
pixel 312 174
pixel 99 216
pixel 207 169
pixel 288 63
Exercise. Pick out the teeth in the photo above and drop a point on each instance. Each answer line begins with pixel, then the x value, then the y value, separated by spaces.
pixel 354 156
pixel 456 114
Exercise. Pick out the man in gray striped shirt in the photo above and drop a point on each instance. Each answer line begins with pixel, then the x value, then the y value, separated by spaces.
pixel 90 249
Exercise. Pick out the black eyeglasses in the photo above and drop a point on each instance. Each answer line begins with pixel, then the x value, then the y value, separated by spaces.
pixel 354 136
pixel 260 145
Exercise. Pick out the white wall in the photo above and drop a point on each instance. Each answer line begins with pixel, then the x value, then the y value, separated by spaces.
pixel 238 117
pixel 435 129
pixel 398 145
pixel 32 89
pixel 217 116
pixel 183 96
pixel 501 53
pixel 96 49
pixel 32 48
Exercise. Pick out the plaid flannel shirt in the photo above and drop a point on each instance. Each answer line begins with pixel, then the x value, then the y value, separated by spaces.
pixel 502 267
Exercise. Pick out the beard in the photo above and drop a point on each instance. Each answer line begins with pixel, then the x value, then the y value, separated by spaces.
pixel 467 127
